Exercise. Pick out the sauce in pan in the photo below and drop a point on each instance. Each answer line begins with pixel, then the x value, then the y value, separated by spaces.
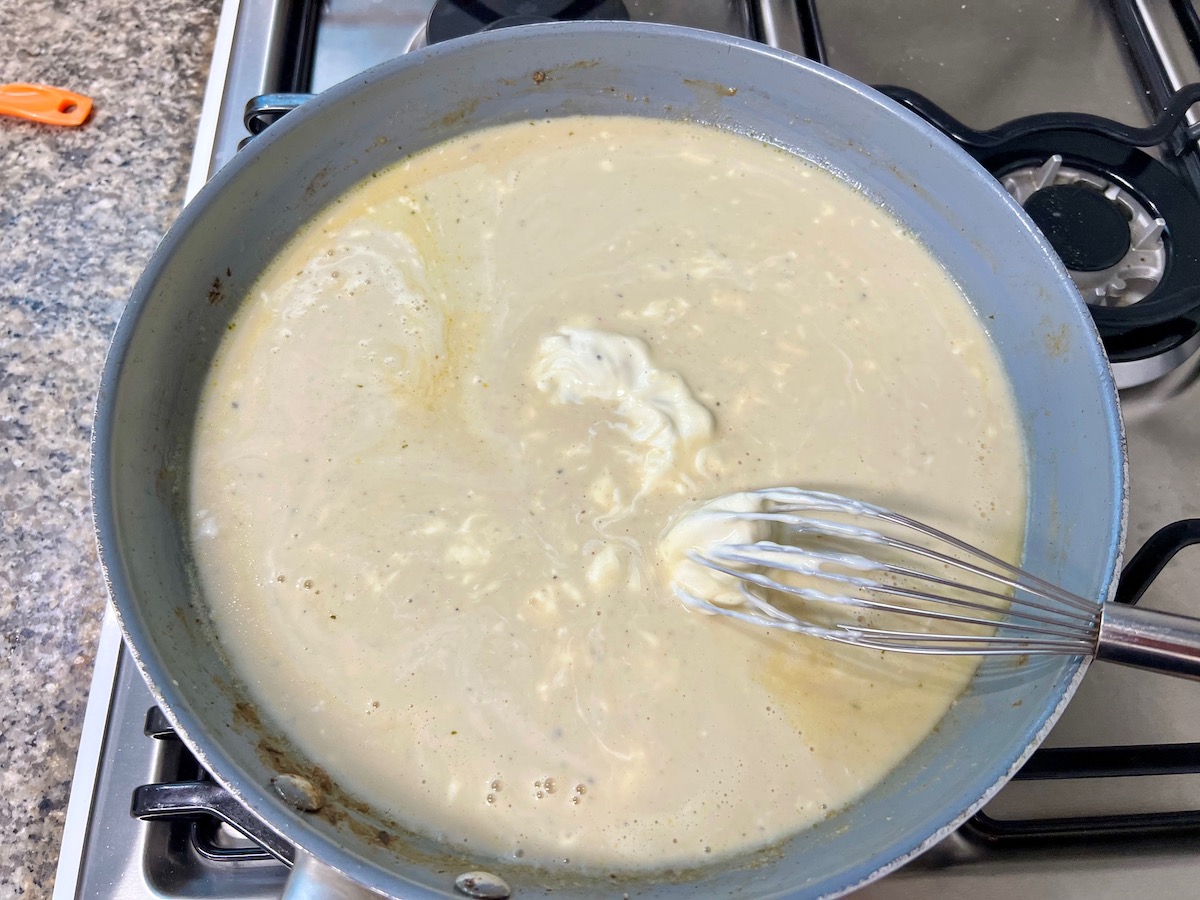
pixel 440 445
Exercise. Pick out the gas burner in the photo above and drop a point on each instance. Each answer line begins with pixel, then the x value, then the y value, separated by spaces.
pixel 1086 228
pixel 1110 243
pixel 1128 231
pixel 458 18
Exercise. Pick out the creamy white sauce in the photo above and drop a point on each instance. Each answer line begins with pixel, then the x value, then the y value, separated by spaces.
pixel 427 518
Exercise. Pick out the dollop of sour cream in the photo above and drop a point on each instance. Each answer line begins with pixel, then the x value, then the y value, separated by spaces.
pixel 700 529
pixel 657 410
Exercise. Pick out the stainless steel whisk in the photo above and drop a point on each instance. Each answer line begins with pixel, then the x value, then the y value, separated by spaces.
pixel 960 599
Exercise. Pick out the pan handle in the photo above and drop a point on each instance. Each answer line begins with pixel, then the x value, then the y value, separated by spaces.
pixel 313 880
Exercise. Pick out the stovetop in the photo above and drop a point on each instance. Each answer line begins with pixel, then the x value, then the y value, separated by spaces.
pixel 1121 815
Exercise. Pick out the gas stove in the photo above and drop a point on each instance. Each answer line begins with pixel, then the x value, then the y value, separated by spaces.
pixel 1081 110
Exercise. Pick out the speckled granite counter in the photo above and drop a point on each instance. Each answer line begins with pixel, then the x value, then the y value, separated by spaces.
pixel 80 213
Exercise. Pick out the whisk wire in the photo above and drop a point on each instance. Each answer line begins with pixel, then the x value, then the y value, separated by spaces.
pixel 1020 612
pixel 877 639
pixel 774 555
pixel 797 500
pixel 857 602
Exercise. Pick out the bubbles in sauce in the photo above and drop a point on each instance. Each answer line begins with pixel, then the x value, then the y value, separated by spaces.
pixel 427 526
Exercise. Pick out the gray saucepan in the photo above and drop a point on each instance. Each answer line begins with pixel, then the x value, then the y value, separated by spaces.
pixel 224 239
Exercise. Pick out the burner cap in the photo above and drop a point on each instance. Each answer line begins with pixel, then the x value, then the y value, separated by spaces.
pixel 458 18
pixel 1088 231
pixel 1140 319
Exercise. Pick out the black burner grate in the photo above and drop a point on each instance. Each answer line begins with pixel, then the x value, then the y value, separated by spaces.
pixel 200 808
pixel 1165 323
pixel 1129 761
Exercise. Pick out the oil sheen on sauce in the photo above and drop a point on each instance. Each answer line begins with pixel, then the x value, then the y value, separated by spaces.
pixel 439 447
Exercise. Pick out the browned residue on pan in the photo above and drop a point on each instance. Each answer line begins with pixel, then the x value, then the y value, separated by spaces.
pixel 1056 342
pixel 164 484
pixel 341 809
pixel 719 90
pixel 541 76
pixel 246 715
pixel 317 183
pixel 460 112
pixel 216 293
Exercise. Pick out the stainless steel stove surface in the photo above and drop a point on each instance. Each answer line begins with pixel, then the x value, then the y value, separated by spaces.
pixel 1119 816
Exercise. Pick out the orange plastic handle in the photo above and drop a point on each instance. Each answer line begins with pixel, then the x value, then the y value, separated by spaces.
pixel 42 103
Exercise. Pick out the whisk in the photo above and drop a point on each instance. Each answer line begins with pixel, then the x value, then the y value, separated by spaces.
pixel 848 571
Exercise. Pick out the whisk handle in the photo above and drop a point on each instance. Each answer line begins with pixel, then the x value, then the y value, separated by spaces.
pixel 1147 639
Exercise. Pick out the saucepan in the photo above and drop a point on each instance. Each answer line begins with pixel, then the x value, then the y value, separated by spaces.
pixel 181 306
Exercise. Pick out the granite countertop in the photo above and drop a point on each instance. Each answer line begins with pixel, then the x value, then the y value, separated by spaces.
pixel 81 210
